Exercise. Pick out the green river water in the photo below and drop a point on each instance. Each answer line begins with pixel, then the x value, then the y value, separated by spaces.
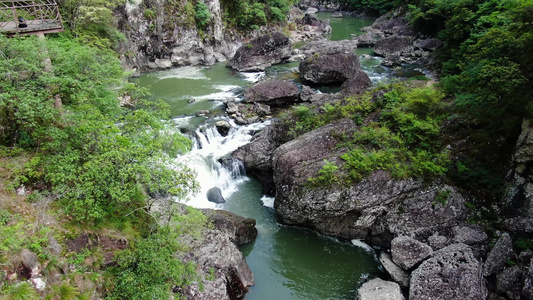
pixel 287 262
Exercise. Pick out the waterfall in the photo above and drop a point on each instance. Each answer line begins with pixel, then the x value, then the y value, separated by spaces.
pixel 210 158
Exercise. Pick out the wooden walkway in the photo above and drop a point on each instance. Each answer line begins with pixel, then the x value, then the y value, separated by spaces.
pixel 34 27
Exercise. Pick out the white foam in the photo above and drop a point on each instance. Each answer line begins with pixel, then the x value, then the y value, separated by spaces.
pixel 189 72
pixel 364 246
pixel 225 92
pixel 268 201
pixel 252 77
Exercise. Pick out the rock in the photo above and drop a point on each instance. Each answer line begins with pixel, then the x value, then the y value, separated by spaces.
pixel 311 10
pixel 38 283
pixel 523 225
pixel 231 106
pixel 215 195
pixel 328 47
pixel 469 234
pixel 437 241
pixel 232 276
pixel 396 273
pixel 430 44
pixel 54 247
pixel 356 84
pixel 30 262
pixel 256 157
pixel 377 289
pixel 310 20
pixel 278 93
pixel 306 94
pixel 223 127
pixel 525 257
pixel 240 230
pixel 329 68
pixel 261 52
pixel 408 252
pixel 507 282
pixel 451 274
pixel 369 38
pixel 527 290
pixel 202 113
pixel 498 255
pixel 395 45
pixel 376 209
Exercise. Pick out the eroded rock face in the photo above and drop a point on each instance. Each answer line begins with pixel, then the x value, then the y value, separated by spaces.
pixel 395 45
pixel 273 93
pixel 452 273
pixel 380 289
pixel 376 209
pixel 329 68
pixel 356 84
pixel 232 276
pixel 241 230
pixel 260 53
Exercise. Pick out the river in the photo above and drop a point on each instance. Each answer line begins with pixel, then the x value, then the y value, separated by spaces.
pixel 287 262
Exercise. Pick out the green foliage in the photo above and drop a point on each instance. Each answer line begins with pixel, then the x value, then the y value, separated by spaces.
pixel 441 196
pixel 374 7
pixel 326 176
pixel 150 269
pixel 20 291
pixel 250 14
pixel 203 16
pixel 149 14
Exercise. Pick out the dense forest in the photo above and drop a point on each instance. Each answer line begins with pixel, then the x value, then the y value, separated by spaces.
pixel 93 166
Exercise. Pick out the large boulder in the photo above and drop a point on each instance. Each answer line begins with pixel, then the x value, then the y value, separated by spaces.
pixel 274 93
pixel 408 252
pixel 396 273
pixel 498 255
pixel 452 273
pixel 222 267
pixel 394 46
pixel 262 52
pixel 327 46
pixel 356 84
pixel 377 289
pixel 329 68
pixel 376 209
pixel 241 230
pixel 257 157
pixel 215 195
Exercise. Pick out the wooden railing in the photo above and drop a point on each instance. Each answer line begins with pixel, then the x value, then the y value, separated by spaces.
pixel 29 17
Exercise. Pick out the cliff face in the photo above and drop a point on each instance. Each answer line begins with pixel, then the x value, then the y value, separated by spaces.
pixel 162 33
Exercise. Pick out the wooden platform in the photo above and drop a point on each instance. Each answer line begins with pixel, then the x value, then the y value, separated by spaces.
pixel 34 27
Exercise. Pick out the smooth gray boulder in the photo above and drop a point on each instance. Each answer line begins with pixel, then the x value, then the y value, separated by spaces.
pixel 377 289
pixel 452 273
pixel 498 255
pixel 396 273
pixel 329 68
pixel 273 93
pixel 215 195
pixel 261 52
pixel 408 252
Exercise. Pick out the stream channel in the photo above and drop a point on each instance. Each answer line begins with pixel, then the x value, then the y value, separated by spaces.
pixel 287 262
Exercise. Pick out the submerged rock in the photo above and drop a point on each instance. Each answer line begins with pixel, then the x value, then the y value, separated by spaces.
pixel 452 273
pixel 377 289
pixel 260 53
